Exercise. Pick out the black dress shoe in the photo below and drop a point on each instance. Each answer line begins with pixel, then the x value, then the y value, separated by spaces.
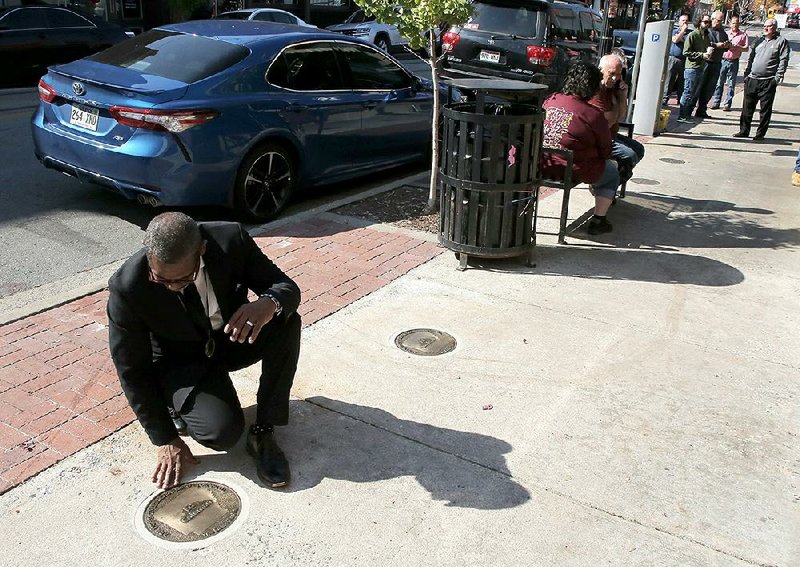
pixel 598 226
pixel 740 135
pixel 271 463
pixel 702 114
pixel 758 137
pixel 178 422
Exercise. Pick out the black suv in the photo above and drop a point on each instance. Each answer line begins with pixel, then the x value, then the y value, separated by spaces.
pixel 529 40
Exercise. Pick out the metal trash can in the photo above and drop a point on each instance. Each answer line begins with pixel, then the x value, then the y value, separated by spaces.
pixel 488 181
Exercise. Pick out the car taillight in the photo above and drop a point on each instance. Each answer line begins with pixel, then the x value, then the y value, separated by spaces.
pixel 538 55
pixel 169 120
pixel 449 41
pixel 46 92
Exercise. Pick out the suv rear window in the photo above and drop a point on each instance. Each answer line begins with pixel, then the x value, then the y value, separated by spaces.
pixel 566 23
pixel 511 19
pixel 163 53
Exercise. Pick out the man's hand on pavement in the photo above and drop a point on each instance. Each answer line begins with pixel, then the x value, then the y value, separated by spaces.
pixel 249 319
pixel 172 459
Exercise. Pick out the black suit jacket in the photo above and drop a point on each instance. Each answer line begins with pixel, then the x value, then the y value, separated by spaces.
pixel 146 321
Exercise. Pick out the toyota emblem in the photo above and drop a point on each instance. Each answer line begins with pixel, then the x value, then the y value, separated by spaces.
pixel 78 89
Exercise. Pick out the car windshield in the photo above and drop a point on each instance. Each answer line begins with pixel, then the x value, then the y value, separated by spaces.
pixel 510 19
pixel 163 53
pixel 359 17
pixel 234 16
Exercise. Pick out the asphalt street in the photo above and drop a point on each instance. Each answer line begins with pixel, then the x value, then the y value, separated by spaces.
pixel 56 231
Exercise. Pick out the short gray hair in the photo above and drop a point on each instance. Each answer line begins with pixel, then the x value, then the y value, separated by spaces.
pixel 172 237
pixel 610 58
pixel 621 54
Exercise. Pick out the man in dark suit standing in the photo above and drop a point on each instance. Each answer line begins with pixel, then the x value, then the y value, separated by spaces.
pixel 180 321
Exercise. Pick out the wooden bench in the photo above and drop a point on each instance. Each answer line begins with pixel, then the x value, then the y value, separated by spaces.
pixel 567 183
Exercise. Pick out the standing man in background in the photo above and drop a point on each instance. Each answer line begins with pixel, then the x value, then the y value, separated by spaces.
pixel 718 39
pixel 730 65
pixel 674 83
pixel 696 52
pixel 796 174
pixel 769 57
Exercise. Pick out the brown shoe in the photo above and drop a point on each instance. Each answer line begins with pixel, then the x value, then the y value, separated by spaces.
pixel 796 179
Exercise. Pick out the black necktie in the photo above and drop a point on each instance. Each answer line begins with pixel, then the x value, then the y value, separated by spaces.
pixel 195 309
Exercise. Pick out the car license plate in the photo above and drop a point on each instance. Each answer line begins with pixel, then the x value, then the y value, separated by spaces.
pixel 84 117
pixel 490 56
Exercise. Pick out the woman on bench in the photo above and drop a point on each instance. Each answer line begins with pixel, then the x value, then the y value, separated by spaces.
pixel 571 123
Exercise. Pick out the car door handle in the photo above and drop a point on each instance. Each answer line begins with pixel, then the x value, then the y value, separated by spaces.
pixel 370 104
pixel 297 107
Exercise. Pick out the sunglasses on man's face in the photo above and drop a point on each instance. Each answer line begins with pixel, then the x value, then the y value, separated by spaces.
pixel 179 282
pixel 705 22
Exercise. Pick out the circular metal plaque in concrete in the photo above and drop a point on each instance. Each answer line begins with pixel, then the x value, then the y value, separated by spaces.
pixel 671 160
pixel 425 342
pixel 644 181
pixel 190 515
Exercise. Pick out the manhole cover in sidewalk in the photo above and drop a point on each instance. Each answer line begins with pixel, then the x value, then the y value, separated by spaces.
pixel 671 160
pixel 425 342
pixel 192 512
pixel 644 181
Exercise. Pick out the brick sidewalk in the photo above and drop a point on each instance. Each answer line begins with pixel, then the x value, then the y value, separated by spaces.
pixel 59 391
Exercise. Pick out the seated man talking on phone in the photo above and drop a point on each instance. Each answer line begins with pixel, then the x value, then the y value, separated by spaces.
pixel 612 101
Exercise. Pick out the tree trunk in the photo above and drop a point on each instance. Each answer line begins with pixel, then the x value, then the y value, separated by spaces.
pixel 432 200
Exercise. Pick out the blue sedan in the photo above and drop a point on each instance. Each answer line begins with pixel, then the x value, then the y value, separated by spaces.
pixel 234 113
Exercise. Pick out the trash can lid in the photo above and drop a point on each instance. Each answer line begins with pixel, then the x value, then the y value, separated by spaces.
pixel 494 86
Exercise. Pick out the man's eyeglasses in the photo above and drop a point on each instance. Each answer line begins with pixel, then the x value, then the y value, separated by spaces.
pixel 769 26
pixel 151 276
pixel 705 21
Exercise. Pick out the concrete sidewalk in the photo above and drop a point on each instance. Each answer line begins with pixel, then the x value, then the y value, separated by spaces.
pixel 631 400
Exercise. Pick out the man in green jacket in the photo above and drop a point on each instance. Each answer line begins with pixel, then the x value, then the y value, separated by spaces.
pixel 697 52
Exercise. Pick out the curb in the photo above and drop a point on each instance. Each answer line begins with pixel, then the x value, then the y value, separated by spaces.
pixel 20 305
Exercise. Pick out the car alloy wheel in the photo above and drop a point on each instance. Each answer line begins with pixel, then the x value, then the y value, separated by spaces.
pixel 266 181
pixel 382 42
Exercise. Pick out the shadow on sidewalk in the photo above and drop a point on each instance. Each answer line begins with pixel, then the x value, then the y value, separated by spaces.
pixel 615 264
pixel 659 221
pixel 331 439
pixel 650 229
pixel 758 147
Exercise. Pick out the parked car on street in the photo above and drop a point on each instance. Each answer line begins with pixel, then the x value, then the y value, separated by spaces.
pixel 258 111
pixel 529 40
pixel 33 37
pixel 626 40
pixel 358 24
pixel 265 15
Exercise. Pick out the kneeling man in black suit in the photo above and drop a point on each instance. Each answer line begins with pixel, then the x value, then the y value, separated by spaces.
pixel 180 321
